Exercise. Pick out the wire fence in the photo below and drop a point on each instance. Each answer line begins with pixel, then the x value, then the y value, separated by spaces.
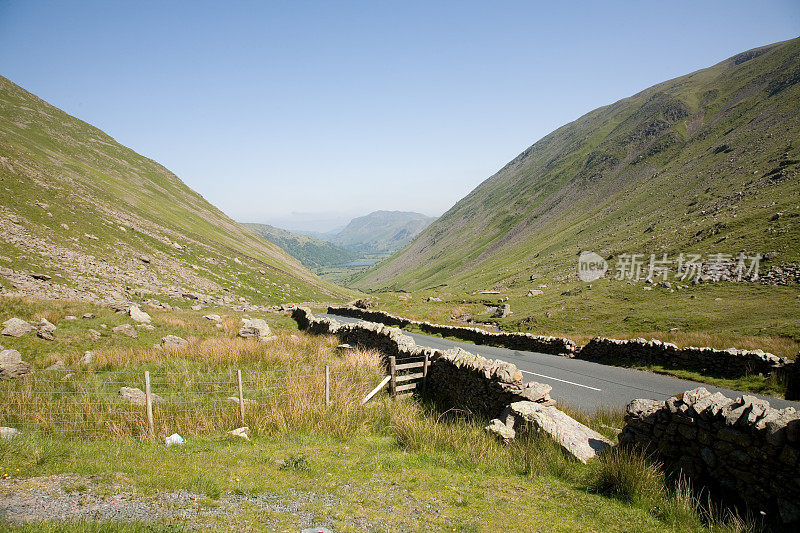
pixel 104 404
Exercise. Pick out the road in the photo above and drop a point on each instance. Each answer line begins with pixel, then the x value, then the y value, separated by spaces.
pixel 582 384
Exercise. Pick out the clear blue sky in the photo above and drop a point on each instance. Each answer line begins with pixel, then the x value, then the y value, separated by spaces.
pixel 335 109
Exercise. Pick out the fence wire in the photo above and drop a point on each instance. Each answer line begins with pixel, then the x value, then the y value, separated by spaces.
pixel 90 404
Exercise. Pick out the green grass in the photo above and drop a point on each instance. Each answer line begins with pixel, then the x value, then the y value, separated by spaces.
pixel 400 464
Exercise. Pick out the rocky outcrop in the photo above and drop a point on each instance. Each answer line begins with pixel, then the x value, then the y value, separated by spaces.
pixel 173 341
pixel 580 441
pixel 136 396
pixel 46 329
pixel 255 328
pixel 125 329
pixel 16 327
pixel 743 448
pixel 12 366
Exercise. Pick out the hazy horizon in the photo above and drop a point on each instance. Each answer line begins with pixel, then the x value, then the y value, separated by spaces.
pixel 308 115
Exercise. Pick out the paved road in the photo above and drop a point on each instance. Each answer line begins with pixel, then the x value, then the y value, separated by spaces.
pixel 582 384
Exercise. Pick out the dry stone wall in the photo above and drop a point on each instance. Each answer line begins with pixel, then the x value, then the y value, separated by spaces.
pixel 456 378
pixel 730 363
pixel 514 340
pixel 742 449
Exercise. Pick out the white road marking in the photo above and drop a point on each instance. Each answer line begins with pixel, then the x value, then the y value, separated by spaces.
pixel 562 380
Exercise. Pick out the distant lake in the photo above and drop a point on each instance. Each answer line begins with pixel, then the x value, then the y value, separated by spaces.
pixel 359 263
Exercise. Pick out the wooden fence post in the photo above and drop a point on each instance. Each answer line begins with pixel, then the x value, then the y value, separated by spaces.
pixel 241 395
pixel 425 371
pixel 148 401
pixel 327 385
pixel 393 376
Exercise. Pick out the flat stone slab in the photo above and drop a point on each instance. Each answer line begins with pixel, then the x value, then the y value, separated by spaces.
pixel 582 442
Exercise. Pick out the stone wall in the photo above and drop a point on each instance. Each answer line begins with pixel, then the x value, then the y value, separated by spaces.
pixel 742 449
pixel 730 363
pixel 456 379
pixel 513 340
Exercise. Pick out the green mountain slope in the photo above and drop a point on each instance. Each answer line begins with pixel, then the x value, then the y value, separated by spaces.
pixel 310 251
pixel 105 222
pixel 707 163
pixel 382 231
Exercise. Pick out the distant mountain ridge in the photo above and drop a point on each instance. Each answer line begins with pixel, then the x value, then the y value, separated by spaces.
pixel 382 231
pixel 311 252
pixel 84 217
pixel 706 162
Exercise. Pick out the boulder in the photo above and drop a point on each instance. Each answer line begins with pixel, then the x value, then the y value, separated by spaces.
pixel 535 292
pixel 242 432
pixel 8 433
pixel 70 317
pixel 125 329
pixel 146 327
pixel 86 358
pixel 502 311
pixel 174 439
pixel 536 392
pixel 46 329
pixel 12 366
pixel 215 318
pixel 138 315
pixel 93 333
pixel 580 441
pixel 135 396
pixel 197 307
pixel 173 341
pixel 255 328
pixel 88 315
pixel 16 327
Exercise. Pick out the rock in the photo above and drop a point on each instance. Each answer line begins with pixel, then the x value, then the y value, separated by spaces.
pixel 502 311
pixel 535 292
pixel 243 432
pixel 41 277
pixel 536 392
pixel 146 327
pixel 173 341
pixel 12 366
pixel 58 365
pixel 70 317
pixel 433 299
pixel 135 396
pixel 219 326
pixel 497 427
pixel 46 329
pixel 16 327
pixel 215 318
pixel 8 433
pixel 174 439
pixel 86 358
pixel 144 259
pixel 125 329
pixel 344 348
pixel 581 442
pixel 191 295
pixel 197 307
pixel 94 333
pixel 88 315
pixel 255 328
pixel 138 315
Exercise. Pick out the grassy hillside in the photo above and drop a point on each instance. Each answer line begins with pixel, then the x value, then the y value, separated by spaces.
pixel 103 221
pixel 704 163
pixel 311 252
pixel 382 231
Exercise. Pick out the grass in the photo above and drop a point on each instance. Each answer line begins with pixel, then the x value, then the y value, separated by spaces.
pixel 392 464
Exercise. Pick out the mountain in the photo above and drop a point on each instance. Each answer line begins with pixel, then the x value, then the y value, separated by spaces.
pixel 381 231
pixel 84 217
pixel 311 252
pixel 707 162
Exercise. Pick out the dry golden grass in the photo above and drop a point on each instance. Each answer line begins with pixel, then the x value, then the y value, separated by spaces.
pixel 52 315
pixel 283 383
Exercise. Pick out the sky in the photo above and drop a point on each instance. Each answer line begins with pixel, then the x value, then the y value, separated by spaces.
pixel 306 114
